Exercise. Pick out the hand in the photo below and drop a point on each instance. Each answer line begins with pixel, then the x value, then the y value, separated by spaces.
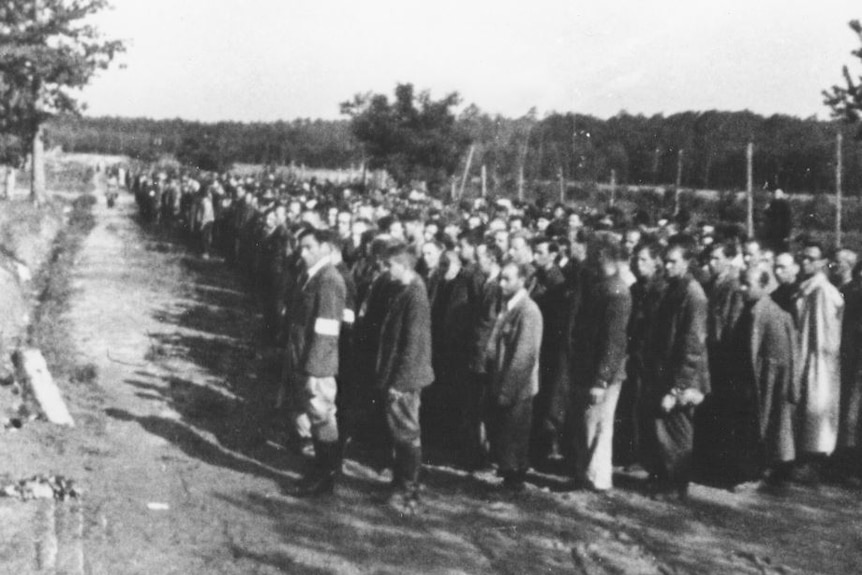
pixel 393 395
pixel 691 396
pixel 597 395
pixel 668 402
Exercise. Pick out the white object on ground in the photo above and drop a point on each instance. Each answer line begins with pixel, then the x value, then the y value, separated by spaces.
pixel 32 372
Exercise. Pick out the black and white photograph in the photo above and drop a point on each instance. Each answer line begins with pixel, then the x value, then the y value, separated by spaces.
pixel 430 287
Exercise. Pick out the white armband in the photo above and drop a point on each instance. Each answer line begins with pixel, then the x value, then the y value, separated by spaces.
pixel 324 326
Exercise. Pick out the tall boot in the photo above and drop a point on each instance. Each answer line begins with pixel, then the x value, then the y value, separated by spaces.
pixel 411 456
pixel 321 480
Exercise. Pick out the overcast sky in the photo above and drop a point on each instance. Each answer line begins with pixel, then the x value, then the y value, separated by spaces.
pixel 283 59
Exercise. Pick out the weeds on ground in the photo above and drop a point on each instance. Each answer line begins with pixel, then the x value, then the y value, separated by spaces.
pixel 49 331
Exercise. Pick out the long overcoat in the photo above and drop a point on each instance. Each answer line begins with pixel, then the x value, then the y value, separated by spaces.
pixel 819 312
pixel 777 387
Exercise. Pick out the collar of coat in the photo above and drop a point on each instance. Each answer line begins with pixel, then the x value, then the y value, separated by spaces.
pixel 819 281
pixel 317 267
pixel 516 299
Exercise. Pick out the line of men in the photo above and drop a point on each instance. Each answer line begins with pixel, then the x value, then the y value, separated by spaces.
pixel 491 336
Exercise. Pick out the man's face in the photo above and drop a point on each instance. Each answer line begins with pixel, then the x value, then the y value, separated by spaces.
pixel 510 282
pixel 468 250
pixel 750 284
pixel 520 251
pixel 482 258
pixel 575 222
pixel 396 230
pixel 397 270
pixel 645 265
pixel 675 266
pixel 270 223
pixel 786 269
pixel 751 254
pixel 812 261
pixel 430 231
pixel 431 255
pixel 343 224
pixel 632 239
pixel 310 251
pixel 358 228
pixel 501 238
pixel 516 225
pixel 450 265
pixel 542 256
pixel 542 224
pixel 718 262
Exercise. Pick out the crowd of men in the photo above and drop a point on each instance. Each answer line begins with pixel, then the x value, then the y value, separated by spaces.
pixel 503 335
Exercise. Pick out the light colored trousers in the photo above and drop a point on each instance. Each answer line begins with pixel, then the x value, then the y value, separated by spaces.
pixel 594 437
pixel 315 416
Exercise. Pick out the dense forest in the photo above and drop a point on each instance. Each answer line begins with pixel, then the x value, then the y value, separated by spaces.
pixel 702 149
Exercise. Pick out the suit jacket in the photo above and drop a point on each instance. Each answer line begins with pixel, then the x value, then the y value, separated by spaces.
pixel 599 354
pixel 679 357
pixel 513 353
pixel 485 314
pixel 404 354
pixel 314 323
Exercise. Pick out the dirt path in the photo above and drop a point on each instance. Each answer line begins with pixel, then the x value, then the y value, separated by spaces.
pixel 171 402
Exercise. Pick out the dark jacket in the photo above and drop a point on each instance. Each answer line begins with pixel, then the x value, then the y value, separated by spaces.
pixel 314 322
pixel 404 353
pixel 451 325
pixel 485 313
pixel 679 357
pixel 599 353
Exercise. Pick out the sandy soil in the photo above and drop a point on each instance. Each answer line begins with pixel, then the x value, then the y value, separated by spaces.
pixel 172 406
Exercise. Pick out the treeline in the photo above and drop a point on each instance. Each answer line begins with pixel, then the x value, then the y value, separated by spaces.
pixel 704 149
pixel 210 146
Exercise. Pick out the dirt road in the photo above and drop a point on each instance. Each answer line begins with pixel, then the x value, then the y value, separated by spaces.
pixel 171 404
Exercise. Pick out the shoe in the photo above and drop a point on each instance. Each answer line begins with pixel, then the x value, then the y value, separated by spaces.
pixel 317 485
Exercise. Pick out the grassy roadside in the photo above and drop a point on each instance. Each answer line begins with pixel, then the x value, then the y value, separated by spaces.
pixel 49 330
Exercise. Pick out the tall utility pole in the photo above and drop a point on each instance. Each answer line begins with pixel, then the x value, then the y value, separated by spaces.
pixel 484 181
pixel 839 163
pixel 679 156
pixel 466 171
pixel 749 187
pixel 562 179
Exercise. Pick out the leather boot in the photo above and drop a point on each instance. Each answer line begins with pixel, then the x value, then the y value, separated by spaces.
pixel 321 480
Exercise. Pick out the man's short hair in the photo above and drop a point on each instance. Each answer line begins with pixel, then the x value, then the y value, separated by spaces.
pixel 553 246
pixel 524 270
pixel 399 252
pixel 683 242
pixel 494 252
pixel 728 247
pixel 812 243
pixel 320 236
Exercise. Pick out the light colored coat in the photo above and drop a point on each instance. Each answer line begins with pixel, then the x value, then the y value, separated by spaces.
pixel 819 311
pixel 513 352
pixel 777 386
